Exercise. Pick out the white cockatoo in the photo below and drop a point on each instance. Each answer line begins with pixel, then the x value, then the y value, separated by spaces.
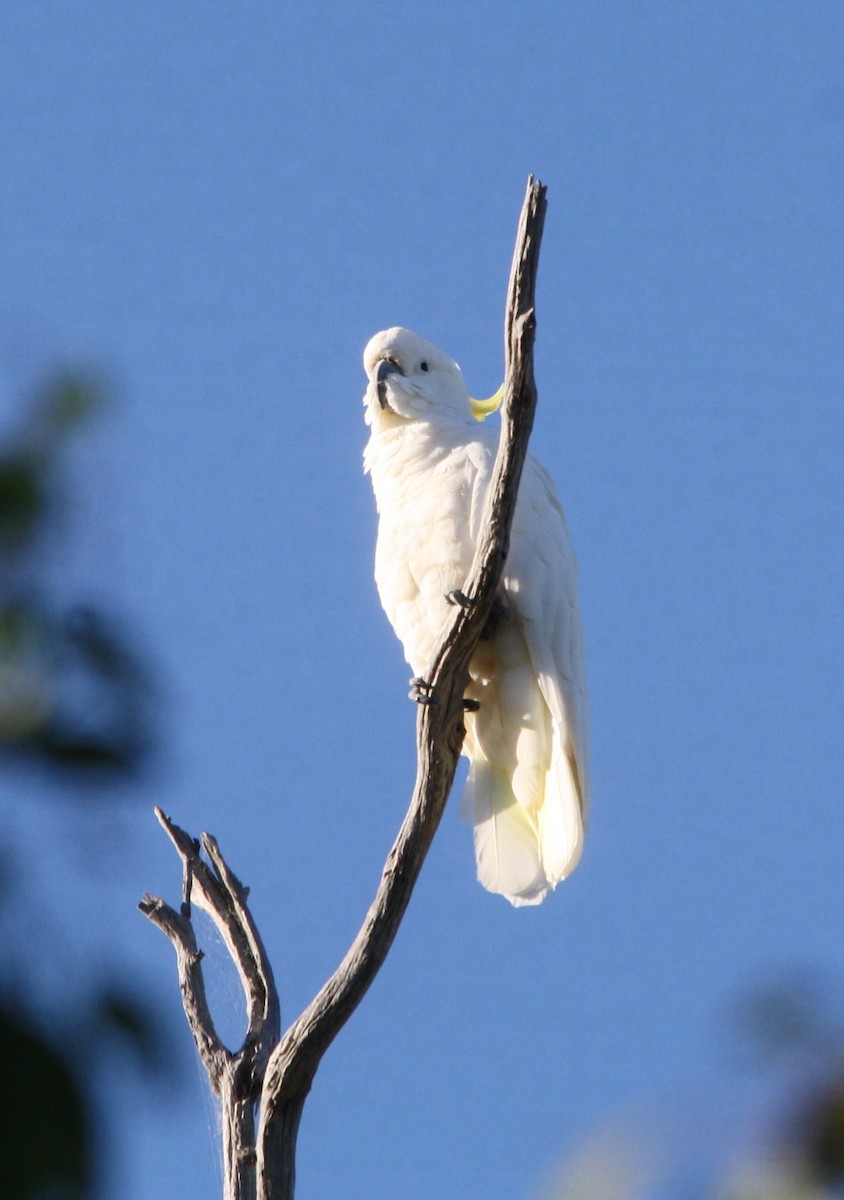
pixel 430 458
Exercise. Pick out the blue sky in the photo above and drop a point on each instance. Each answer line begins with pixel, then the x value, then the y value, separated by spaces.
pixel 219 205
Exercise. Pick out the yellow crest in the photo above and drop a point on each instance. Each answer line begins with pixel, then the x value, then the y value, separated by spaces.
pixel 482 408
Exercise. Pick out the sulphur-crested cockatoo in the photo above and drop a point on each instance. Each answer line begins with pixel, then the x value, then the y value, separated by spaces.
pixel 430 459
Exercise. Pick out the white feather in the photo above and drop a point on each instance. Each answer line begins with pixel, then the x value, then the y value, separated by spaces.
pixel 430 463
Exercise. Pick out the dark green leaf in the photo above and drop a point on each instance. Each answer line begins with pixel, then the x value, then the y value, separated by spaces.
pixel 70 399
pixel 45 1131
pixel 135 1026
pixel 22 499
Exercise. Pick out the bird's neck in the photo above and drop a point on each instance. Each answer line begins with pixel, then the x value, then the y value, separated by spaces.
pixel 397 443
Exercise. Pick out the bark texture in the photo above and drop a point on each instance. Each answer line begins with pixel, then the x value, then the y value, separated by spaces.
pixel 270 1074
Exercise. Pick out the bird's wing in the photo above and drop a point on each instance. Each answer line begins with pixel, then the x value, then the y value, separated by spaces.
pixel 540 580
pixel 480 457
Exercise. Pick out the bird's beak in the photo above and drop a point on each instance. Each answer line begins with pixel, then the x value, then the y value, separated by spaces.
pixel 386 367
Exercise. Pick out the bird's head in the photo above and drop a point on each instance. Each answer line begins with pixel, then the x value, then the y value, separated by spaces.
pixel 411 379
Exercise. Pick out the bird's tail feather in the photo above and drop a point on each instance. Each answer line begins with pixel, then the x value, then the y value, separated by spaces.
pixel 523 853
pixel 561 820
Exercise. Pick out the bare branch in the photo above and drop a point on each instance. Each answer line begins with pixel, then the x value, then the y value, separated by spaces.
pixel 235 1077
pixel 188 958
pixel 286 1068
pixel 247 949
pixel 440 733
pixel 220 893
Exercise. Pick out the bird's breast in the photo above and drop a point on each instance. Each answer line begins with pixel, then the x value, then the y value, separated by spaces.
pixel 424 548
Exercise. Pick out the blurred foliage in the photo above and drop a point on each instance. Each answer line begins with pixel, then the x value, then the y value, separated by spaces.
pixel 30 463
pixel 790 1021
pixel 787 1017
pixel 77 699
pixel 787 1028
pixel 46 1123
pixel 74 695
pixel 48 1131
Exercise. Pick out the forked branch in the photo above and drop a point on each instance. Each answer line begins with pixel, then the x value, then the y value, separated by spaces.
pixel 288 1069
pixel 236 1076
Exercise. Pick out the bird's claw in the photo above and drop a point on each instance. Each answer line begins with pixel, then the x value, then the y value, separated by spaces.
pixel 458 599
pixel 420 691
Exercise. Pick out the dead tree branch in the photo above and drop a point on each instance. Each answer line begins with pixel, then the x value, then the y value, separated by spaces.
pixel 440 732
pixel 236 1077
pixel 274 1075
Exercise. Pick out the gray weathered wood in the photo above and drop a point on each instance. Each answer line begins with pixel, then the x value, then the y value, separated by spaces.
pixel 236 1076
pixel 440 733
pixel 275 1075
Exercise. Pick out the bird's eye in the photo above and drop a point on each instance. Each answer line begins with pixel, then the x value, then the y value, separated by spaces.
pixel 423 366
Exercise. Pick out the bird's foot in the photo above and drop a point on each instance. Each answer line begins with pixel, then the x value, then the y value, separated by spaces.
pixel 458 599
pixel 420 691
